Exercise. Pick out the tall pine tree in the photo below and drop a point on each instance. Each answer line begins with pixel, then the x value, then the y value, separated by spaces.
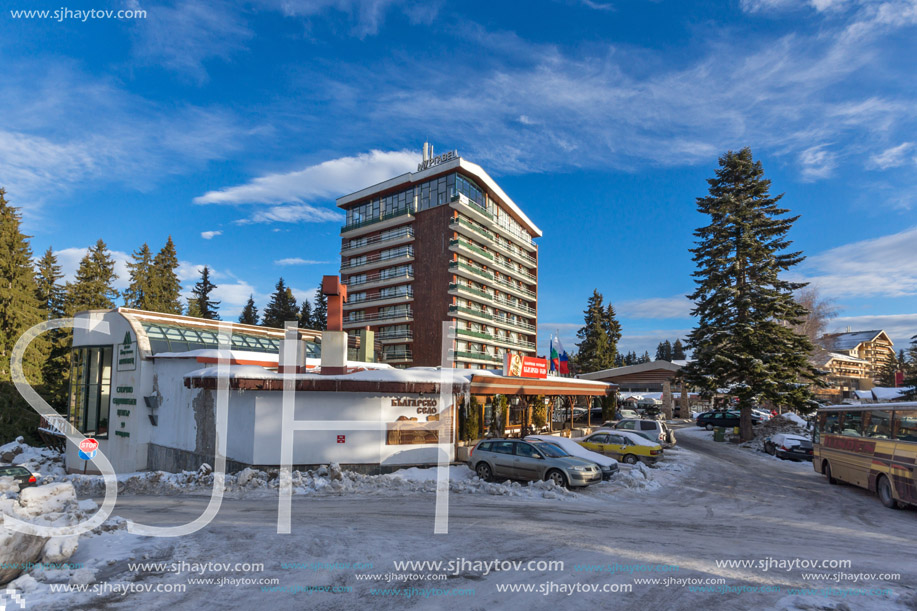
pixel 200 296
pixel 744 339
pixel 320 311
pixel 165 289
pixel 594 349
pixel 20 309
pixel 93 287
pixel 612 331
pixel 305 315
pixel 678 351
pixel 56 366
pixel 249 314
pixel 910 370
pixel 282 307
pixel 139 294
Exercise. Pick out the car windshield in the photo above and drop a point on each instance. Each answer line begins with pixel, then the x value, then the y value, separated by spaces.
pixel 551 450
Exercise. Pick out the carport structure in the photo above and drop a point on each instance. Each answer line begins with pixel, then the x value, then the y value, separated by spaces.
pixel 522 393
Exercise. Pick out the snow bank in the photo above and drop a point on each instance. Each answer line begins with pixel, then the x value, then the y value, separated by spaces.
pixel 48 462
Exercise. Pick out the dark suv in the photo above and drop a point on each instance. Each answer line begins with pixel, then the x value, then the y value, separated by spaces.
pixel 531 461
pixel 711 420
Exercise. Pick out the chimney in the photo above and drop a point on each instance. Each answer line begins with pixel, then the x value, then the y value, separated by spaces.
pixel 334 339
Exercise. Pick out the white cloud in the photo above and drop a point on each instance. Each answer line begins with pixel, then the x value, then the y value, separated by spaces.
pixel 883 266
pixel 295 213
pixel 325 180
pixel 893 157
pixel 69 261
pixel 678 306
pixel 367 15
pixel 817 163
pixel 297 261
pixel 208 235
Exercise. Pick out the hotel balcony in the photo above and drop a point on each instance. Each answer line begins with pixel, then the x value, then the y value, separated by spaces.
pixel 516 290
pixel 503 321
pixel 360 245
pixel 376 318
pixel 514 271
pixel 469 229
pixel 470 271
pixel 471 251
pixel 470 314
pixel 378 299
pixel 512 251
pixel 477 357
pixel 464 290
pixel 513 344
pixel 472 210
pixel 402 255
pixel 400 356
pixel 396 338
pixel 377 224
pixel 379 279
pixel 479 335
pixel 515 306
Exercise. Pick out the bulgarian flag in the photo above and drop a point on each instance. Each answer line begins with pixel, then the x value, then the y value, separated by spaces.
pixel 558 357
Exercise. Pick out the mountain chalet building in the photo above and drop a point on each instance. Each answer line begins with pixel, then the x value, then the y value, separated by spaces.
pixel 853 360
pixel 444 243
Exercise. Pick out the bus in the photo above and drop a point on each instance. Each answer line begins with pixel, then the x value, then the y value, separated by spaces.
pixel 870 446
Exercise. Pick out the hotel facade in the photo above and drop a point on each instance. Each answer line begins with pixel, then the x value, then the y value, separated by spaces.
pixel 444 243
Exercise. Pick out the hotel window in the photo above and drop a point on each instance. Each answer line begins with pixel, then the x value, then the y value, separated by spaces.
pixel 363 213
pixel 90 390
pixel 470 190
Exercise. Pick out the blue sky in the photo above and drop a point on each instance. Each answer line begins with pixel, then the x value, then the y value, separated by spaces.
pixel 232 126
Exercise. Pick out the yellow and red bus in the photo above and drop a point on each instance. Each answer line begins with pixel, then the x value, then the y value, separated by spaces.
pixel 870 446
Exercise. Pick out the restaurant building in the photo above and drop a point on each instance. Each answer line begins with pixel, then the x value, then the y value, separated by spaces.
pixel 444 243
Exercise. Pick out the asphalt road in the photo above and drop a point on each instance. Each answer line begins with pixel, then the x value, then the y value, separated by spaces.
pixel 734 506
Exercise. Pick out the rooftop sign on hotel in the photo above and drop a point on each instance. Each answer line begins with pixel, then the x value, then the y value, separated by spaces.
pixel 434 161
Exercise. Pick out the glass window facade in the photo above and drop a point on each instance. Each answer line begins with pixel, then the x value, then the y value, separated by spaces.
pixel 469 189
pixel 90 389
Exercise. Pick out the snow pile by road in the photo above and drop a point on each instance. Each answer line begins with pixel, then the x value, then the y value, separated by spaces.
pixel 785 423
pixel 48 462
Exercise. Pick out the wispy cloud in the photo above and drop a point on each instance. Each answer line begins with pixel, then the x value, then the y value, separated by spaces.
pixel 365 16
pixel 209 235
pixel 817 163
pixel 881 266
pixel 298 261
pixel 321 181
pixel 678 306
pixel 893 157
pixel 900 327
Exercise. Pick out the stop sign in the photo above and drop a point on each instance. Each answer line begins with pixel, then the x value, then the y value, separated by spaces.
pixel 89 445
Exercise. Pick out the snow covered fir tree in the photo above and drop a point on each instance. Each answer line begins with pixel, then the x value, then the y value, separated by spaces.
pixel 744 340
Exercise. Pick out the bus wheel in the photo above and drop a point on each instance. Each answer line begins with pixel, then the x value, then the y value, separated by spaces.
pixel 827 471
pixel 884 490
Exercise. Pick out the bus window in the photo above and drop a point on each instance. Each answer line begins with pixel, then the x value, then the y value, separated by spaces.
pixel 853 424
pixel 831 423
pixel 878 425
pixel 906 425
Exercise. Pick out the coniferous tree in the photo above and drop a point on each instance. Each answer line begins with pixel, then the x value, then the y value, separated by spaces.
pixel 305 315
pixel 320 311
pixel 282 307
pixel 93 289
pixel 20 309
pixel 646 357
pixel 888 370
pixel 56 366
pixel 249 314
pixel 612 332
pixel 744 338
pixel 165 289
pixel 594 349
pixel 910 370
pixel 678 351
pixel 200 296
pixel 193 309
pixel 139 293
pixel 619 360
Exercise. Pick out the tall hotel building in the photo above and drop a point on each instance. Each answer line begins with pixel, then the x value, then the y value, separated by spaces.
pixel 444 243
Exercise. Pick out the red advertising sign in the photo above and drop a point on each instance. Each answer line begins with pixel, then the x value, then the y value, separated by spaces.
pixel 89 445
pixel 524 366
pixel 342 438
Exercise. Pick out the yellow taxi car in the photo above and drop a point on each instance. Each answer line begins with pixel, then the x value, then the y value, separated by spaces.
pixel 623 446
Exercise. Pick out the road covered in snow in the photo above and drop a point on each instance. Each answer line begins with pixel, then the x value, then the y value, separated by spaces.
pixel 716 526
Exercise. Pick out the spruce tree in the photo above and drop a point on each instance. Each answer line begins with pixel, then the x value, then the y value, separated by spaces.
pixel 56 367
pixel 910 370
pixel 744 339
pixel 612 332
pixel 305 315
pixel 139 293
pixel 594 348
pixel 20 309
pixel 165 289
pixel 320 311
pixel 193 309
pixel 93 289
pixel 249 314
pixel 282 307
pixel 200 296
pixel 678 351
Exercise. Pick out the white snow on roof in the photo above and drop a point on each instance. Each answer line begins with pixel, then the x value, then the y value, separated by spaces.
pixel 213 353
pixel 882 393
pixel 849 341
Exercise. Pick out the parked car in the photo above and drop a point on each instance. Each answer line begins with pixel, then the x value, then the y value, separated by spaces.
pixel 608 465
pixel 764 416
pixel 657 430
pixel 710 420
pixel 624 414
pixel 22 475
pixel 622 446
pixel 531 461
pixel 785 445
